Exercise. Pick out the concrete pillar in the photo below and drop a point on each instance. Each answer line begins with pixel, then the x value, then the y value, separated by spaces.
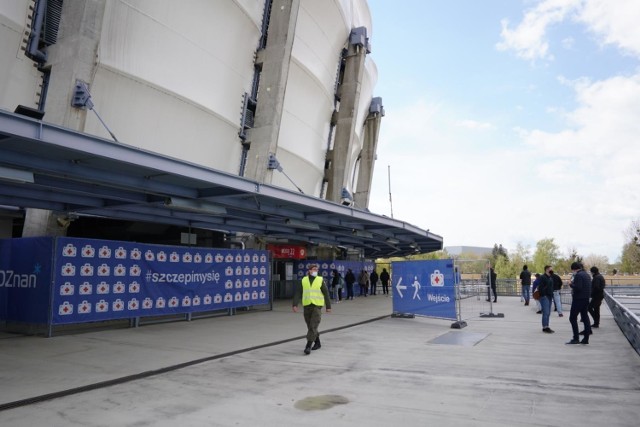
pixel 72 57
pixel 349 94
pixel 367 161
pixel 275 60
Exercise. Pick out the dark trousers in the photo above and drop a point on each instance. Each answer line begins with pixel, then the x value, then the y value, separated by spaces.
pixel 385 287
pixel 312 316
pixel 349 290
pixel 495 295
pixel 594 310
pixel 580 306
pixel 363 289
pixel 373 288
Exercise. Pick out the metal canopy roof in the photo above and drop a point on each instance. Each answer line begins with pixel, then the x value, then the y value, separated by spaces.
pixel 49 167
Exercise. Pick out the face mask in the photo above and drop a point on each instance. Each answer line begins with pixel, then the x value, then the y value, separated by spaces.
pixel 314 273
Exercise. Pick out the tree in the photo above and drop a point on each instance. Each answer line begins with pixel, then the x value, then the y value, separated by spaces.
pixel 630 259
pixel 498 251
pixel 563 265
pixel 506 269
pixel 546 254
pixel 600 261
pixel 520 256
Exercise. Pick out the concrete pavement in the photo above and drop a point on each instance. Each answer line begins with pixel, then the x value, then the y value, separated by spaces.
pixel 496 371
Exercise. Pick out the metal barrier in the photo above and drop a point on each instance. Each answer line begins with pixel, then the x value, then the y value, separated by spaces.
pixel 472 300
pixel 628 321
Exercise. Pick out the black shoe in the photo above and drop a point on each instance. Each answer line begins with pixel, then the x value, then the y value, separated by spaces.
pixel 548 330
pixel 595 326
pixel 584 341
pixel 316 345
pixel 307 349
pixel 495 300
pixel 488 300
pixel 574 341
pixel 539 311
pixel 582 333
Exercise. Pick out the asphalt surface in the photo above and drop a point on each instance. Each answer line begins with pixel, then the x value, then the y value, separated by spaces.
pixel 250 370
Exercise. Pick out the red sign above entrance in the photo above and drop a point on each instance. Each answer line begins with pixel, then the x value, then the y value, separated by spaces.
pixel 287 251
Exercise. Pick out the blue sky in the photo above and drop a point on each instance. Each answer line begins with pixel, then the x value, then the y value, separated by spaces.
pixel 510 120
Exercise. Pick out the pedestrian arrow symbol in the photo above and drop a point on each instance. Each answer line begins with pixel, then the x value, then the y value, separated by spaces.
pixel 399 287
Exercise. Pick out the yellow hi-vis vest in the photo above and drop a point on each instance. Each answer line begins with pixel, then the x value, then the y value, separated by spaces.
pixel 311 292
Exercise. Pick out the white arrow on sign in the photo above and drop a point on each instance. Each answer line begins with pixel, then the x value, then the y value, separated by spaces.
pixel 398 287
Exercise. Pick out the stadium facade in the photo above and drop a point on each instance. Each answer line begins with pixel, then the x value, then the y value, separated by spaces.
pixel 277 92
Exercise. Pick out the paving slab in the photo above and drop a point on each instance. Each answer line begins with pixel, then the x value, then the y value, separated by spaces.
pixel 497 371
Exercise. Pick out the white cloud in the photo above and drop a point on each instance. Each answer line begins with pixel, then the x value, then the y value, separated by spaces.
pixel 528 39
pixel 614 22
pixel 578 185
pixel 568 43
pixel 475 125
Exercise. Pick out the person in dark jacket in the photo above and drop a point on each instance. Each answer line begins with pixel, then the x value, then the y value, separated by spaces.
pixel 373 280
pixel 336 285
pixel 581 291
pixel 349 280
pixel 384 278
pixel 597 295
pixel 525 280
pixel 491 285
pixel 546 296
pixel 557 287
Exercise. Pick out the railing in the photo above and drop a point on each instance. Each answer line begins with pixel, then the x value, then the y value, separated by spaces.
pixel 622 301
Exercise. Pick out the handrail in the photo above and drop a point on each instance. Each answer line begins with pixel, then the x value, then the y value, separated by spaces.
pixel 628 322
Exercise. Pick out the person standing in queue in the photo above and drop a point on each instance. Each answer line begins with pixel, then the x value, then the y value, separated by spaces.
pixel 384 278
pixel 581 291
pixel 491 285
pixel 363 281
pixel 597 295
pixel 545 288
pixel 557 297
pixel 314 295
pixel 525 280
pixel 349 279
pixel 373 282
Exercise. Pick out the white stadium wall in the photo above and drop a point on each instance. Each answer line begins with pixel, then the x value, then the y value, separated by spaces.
pixel 19 78
pixel 322 30
pixel 169 77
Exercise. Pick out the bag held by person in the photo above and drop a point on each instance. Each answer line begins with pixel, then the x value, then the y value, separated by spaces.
pixel 536 295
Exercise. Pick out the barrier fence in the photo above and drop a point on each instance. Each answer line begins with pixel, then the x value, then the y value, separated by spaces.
pixel 65 281
pixel 622 302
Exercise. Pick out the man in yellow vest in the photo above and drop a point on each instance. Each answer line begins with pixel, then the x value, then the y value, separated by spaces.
pixel 315 295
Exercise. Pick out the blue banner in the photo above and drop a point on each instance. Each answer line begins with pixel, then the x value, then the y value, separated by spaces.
pixel 25 279
pixel 103 280
pixel 424 288
pixel 325 268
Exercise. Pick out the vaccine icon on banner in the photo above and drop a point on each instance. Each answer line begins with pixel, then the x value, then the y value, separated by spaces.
pixel 102 306
pixel 69 250
pixel 84 307
pixel 88 251
pixel 437 278
pixel 65 308
pixel 136 254
pixel 67 289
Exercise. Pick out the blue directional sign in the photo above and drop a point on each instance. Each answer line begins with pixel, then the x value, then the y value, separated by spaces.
pixel 424 288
